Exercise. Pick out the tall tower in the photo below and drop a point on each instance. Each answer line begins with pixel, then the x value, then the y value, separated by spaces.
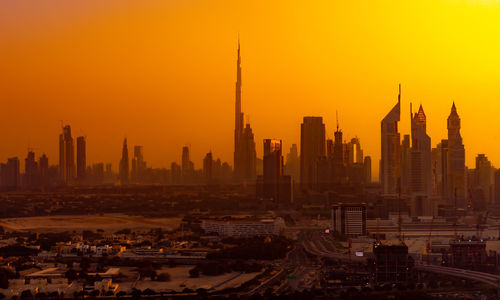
pixel 238 118
pixel 420 179
pixel 390 161
pixel 455 161
pixel 124 169
pixel 66 155
pixel 312 147
pixel 244 145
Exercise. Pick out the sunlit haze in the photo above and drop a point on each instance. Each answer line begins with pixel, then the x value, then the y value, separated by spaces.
pixel 162 73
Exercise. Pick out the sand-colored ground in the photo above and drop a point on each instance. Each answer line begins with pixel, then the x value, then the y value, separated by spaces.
pixel 180 280
pixel 108 223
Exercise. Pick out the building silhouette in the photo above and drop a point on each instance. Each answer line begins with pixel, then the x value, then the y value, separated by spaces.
pixel 483 178
pixel 420 156
pixel 81 159
pixel 244 145
pixel 187 167
pixel 66 156
pixel 30 171
pixel 368 169
pixel 10 175
pixel 312 147
pixel 138 165
pixel 124 164
pixel 456 189
pixel 390 162
pixel 208 167
pixel 43 170
pixel 292 166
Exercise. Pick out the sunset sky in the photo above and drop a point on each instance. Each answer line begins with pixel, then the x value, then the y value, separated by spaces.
pixel 162 73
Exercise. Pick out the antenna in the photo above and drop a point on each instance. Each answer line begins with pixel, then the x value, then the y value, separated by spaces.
pixel 337 114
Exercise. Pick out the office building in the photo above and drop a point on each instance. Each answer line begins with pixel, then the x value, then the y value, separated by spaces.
pixel 66 156
pixel 349 219
pixel 292 166
pixel 456 190
pixel 138 165
pixel 390 162
pixel 312 147
pixel 208 170
pixel 124 164
pixel 30 171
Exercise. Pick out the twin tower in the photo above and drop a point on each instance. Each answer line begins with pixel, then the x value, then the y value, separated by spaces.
pixel 410 167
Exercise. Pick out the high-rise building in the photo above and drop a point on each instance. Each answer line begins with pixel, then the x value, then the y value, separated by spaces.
pixel 248 168
pixel 208 163
pixel 30 171
pixel 81 158
pixel 292 167
pixel 273 168
pixel 440 166
pixel 66 156
pixel 420 156
pixel 176 173
pixel 9 172
pixel 390 162
pixel 339 157
pixel 483 177
pixel 244 145
pixel 405 164
pixel 124 164
pixel 312 147
pixel 497 186
pixel 138 165
pixel 43 170
pixel 187 166
pixel 368 169
pixel 455 162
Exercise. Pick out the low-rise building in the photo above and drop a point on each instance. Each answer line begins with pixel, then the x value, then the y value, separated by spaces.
pixel 244 227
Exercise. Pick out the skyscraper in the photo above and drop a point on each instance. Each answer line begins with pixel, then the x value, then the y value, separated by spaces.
pixel 124 167
pixel 43 166
pixel 455 161
pixel 273 168
pixel 138 165
pixel 81 158
pixel 368 169
pixel 208 162
pixel 292 167
pixel 312 147
pixel 66 156
pixel 244 145
pixel 390 162
pixel 30 171
pixel 338 157
pixel 483 177
pixel 420 155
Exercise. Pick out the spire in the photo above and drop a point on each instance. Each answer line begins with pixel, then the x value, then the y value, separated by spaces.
pixel 337 114
pixel 399 95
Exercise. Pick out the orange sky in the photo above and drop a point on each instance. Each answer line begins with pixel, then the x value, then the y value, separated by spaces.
pixel 162 72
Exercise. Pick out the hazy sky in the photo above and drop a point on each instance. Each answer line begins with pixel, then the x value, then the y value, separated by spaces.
pixel 162 73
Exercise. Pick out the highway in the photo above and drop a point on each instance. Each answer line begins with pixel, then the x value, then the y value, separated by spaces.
pixel 491 279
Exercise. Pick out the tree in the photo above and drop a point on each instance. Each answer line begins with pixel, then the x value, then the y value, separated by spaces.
pixel 121 294
pixel 26 294
pixel 194 272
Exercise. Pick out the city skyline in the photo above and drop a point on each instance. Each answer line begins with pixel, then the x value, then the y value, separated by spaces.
pixel 284 88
